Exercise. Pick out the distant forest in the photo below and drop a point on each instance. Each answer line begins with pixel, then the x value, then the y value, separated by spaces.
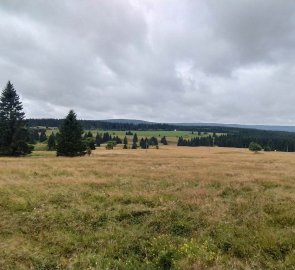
pixel 106 125
pixel 234 137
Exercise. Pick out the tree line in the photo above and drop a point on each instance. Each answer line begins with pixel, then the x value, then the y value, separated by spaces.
pixel 105 125
pixel 269 141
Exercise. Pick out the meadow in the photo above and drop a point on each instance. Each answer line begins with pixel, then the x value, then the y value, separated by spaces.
pixel 167 208
pixel 171 136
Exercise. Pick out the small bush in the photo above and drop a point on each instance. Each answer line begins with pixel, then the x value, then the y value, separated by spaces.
pixel 110 145
pixel 255 147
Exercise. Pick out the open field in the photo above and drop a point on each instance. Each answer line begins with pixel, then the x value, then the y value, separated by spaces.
pixel 175 207
pixel 146 133
pixel 156 133
pixel 171 136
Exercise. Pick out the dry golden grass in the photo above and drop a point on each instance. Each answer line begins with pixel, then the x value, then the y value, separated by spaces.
pixel 177 207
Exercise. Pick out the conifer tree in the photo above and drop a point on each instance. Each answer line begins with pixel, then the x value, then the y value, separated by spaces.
pixel 117 140
pixel 125 140
pixel 51 142
pixel 142 143
pixel 98 140
pixel 134 145
pixel 34 136
pixel 70 141
pixel 153 141
pixel 135 138
pixel 14 133
pixel 146 143
pixel 106 137
pixel 57 138
pixel 164 140
pixel 42 137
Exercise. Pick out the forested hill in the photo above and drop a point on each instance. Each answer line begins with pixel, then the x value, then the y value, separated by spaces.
pixel 122 125
pixel 131 124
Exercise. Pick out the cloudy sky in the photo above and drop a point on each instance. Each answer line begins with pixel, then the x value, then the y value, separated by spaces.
pixel 223 61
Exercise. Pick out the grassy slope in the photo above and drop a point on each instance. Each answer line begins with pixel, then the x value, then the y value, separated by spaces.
pixel 189 208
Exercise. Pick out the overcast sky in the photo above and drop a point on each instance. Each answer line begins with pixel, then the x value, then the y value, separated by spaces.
pixel 225 61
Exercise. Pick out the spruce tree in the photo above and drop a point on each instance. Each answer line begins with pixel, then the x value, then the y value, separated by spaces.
pixel 14 133
pixel 51 142
pixel 98 140
pixel 164 140
pixel 42 137
pixel 90 143
pixel 34 136
pixel 125 140
pixel 153 141
pixel 70 141
pixel 134 145
pixel 142 143
pixel 57 138
pixel 146 143
pixel 135 138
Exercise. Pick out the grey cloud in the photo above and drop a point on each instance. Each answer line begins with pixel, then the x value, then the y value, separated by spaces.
pixel 189 61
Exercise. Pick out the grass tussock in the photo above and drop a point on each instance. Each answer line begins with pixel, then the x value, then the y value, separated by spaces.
pixel 172 208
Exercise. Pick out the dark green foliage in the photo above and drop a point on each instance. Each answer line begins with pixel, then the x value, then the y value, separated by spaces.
pixel 267 148
pixel 153 141
pixel 198 141
pixel 70 142
pixel 106 137
pixel 141 143
pixel 57 138
pixel 117 140
pixel 87 135
pixel 98 140
pixel 89 140
pixel 129 133
pixel 135 138
pixel 14 134
pixel 125 141
pixel 255 147
pixel 144 143
pixel 280 141
pixel 110 145
pixel 90 143
pixel 34 135
pixel 164 141
pixel 42 136
pixel 125 146
pixel 134 145
pixel 37 135
pixel 51 142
